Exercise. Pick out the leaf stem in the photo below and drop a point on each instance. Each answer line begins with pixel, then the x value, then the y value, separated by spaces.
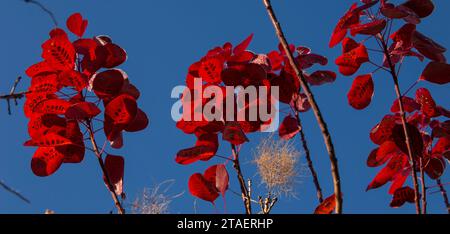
pixel 108 182
pixel 384 46
pixel 244 190
pixel 444 194
pixel 321 122
pixel 309 160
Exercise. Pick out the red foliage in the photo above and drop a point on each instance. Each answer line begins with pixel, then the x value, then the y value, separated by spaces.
pixel 424 125
pixel 66 90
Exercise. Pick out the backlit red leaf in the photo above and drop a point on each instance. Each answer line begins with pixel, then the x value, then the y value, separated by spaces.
pixel 115 166
pixel 46 161
pixel 327 206
pixel 76 24
pixel 289 128
pixel 436 72
pixel 361 92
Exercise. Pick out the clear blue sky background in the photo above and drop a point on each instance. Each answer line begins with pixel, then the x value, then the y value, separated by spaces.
pixel 162 39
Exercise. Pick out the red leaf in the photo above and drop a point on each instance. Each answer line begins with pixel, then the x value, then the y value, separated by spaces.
pixel 82 111
pixel 233 133
pixel 139 123
pixel 115 55
pixel 72 78
pixel 321 77
pixel 205 148
pixel 243 45
pixel 46 161
pixel 218 175
pixel 48 140
pixel 350 18
pixel 436 72
pixel 422 8
pixel 327 206
pixel 415 138
pixel 383 131
pixel 108 83
pixel 409 105
pixel 41 68
pixel 121 110
pixel 76 24
pixel 210 70
pixel 203 189
pixel 361 92
pixel 426 102
pixel 54 106
pixel 59 51
pixel 372 28
pixel 435 166
pixel 41 124
pixel 115 166
pixel 395 165
pixel 352 58
pixel 429 48
pixel 289 128
pixel 402 195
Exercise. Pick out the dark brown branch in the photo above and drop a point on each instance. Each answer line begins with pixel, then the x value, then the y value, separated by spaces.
pixel 320 120
pixel 245 191
pixel 13 95
pixel 109 184
pixel 424 187
pixel 45 9
pixel 309 160
pixel 404 123
pixel 444 195
pixel 14 192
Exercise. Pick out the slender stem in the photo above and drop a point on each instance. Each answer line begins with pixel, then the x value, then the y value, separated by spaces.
pixel 14 192
pixel 424 187
pixel 444 195
pixel 404 122
pixel 244 190
pixel 109 185
pixel 309 160
pixel 320 120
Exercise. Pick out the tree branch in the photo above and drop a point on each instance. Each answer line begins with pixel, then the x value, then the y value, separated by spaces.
pixel 444 194
pixel 320 120
pixel 13 95
pixel 45 9
pixel 404 122
pixel 309 160
pixel 14 192
pixel 109 185
pixel 245 192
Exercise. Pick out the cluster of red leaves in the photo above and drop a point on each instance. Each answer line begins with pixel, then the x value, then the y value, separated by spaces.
pixel 227 66
pixel 407 41
pixel 290 93
pixel 429 149
pixel 66 90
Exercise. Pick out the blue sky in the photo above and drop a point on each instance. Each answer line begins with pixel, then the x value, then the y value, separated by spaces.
pixel 162 39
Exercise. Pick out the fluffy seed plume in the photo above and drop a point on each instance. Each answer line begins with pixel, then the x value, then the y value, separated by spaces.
pixel 277 162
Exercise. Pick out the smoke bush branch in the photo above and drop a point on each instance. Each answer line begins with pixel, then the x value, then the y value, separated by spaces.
pixel 320 120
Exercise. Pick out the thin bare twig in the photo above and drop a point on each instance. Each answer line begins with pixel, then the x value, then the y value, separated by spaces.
pixel 309 160
pixel 245 191
pixel 13 95
pixel 385 48
pixel 444 194
pixel 45 9
pixel 14 192
pixel 424 187
pixel 320 120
